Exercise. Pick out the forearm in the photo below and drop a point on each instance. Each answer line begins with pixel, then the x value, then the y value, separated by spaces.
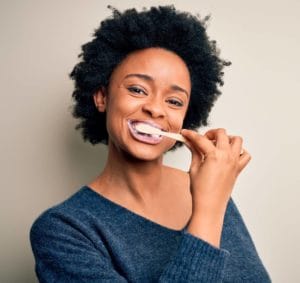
pixel 207 226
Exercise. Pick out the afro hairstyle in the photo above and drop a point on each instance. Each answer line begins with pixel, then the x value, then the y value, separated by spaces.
pixel 129 31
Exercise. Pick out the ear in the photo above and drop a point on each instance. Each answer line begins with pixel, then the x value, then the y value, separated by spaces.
pixel 100 98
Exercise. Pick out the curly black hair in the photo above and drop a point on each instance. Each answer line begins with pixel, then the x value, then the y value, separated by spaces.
pixel 123 33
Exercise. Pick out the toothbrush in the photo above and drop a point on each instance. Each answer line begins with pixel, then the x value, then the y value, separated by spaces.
pixel 147 129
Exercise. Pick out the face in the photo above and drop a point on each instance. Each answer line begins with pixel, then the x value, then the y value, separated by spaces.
pixel 150 86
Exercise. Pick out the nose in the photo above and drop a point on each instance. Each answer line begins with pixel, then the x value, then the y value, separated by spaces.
pixel 154 107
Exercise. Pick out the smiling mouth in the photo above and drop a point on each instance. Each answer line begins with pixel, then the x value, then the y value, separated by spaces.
pixel 142 137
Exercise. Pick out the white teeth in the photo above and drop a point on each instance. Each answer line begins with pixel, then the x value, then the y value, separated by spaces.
pixel 156 136
pixel 133 126
pixel 149 135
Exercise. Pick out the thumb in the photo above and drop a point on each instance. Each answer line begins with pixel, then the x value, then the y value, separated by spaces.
pixel 197 157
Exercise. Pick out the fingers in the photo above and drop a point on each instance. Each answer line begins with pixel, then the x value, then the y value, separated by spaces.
pixel 219 136
pixel 193 149
pixel 224 141
pixel 215 138
pixel 238 150
pixel 236 145
pixel 197 142
pixel 244 159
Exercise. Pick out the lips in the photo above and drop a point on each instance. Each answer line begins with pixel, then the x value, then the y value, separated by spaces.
pixel 145 138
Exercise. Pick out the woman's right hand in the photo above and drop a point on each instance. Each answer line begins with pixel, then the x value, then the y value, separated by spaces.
pixel 216 163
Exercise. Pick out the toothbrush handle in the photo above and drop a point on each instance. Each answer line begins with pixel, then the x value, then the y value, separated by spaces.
pixel 174 136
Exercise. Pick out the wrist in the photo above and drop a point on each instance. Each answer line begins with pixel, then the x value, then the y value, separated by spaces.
pixel 210 209
pixel 207 227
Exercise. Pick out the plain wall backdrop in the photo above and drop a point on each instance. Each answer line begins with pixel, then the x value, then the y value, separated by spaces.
pixel 44 160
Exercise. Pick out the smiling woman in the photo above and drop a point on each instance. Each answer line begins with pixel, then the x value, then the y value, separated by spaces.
pixel 141 221
pixel 150 86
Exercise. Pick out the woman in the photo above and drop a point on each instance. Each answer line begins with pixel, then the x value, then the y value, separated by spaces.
pixel 141 221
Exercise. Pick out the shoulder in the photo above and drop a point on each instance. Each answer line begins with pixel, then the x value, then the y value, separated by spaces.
pixel 63 217
pixel 66 244
pixel 178 182
pixel 51 221
pixel 177 176
pixel 232 211
pixel 234 222
pixel 71 227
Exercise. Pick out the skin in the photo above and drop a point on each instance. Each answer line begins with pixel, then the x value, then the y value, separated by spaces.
pixel 154 85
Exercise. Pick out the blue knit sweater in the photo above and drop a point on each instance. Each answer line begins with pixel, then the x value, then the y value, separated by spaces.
pixel 88 238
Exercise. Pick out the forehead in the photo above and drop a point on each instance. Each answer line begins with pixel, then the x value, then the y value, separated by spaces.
pixel 161 64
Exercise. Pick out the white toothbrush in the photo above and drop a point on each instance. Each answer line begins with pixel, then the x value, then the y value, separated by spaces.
pixel 148 129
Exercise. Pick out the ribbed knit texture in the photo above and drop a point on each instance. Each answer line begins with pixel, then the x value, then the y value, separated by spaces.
pixel 88 238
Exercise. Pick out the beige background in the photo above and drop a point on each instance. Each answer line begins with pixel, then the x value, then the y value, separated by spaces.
pixel 43 159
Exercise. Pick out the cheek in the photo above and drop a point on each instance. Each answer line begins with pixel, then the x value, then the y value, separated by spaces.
pixel 122 103
pixel 177 121
pixel 113 113
pixel 117 112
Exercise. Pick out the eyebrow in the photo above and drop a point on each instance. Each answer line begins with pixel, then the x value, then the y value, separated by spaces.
pixel 149 78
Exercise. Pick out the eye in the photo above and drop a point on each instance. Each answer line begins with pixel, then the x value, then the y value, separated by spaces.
pixel 175 102
pixel 136 90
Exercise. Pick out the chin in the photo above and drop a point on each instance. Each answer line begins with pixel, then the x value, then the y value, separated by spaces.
pixel 145 152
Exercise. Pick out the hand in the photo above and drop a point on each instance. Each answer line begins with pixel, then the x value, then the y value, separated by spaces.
pixel 216 163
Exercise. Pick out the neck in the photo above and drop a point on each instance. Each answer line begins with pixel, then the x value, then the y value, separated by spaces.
pixel 134 179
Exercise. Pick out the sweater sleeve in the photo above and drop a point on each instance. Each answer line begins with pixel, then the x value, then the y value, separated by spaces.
pixel 64 253
pixel 196 261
